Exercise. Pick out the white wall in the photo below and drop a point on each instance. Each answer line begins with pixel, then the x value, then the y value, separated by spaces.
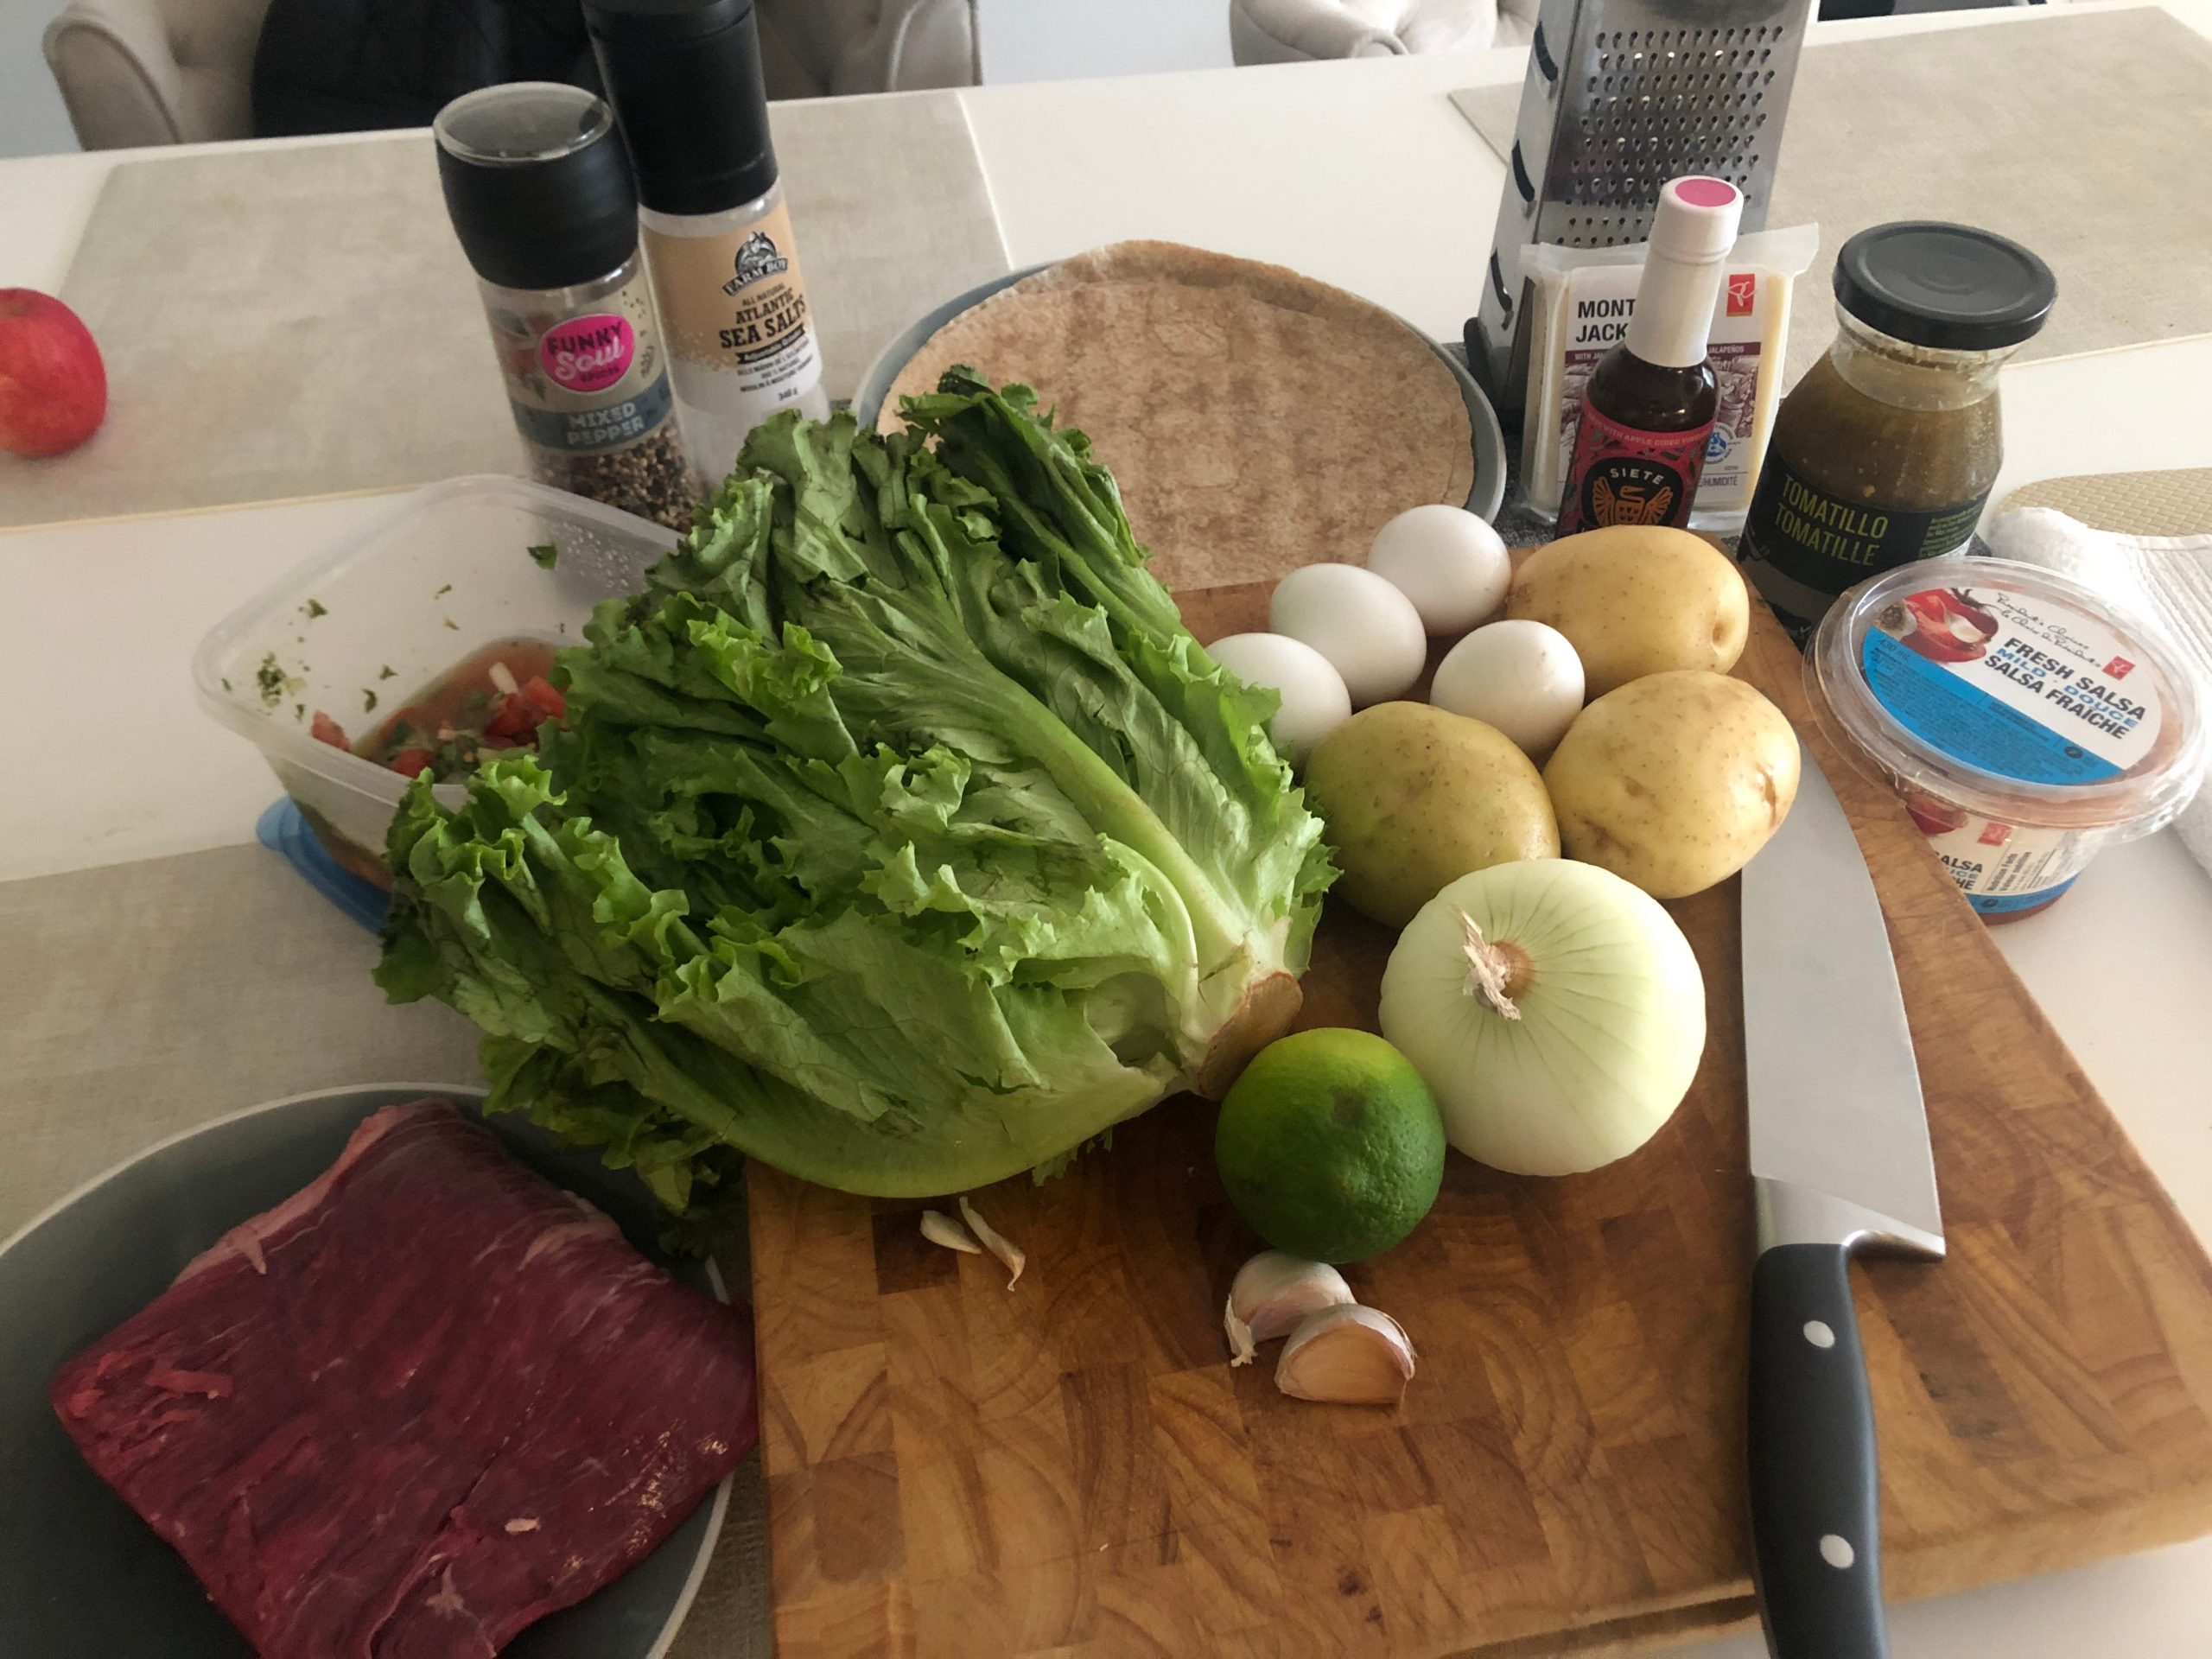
pixel 32 120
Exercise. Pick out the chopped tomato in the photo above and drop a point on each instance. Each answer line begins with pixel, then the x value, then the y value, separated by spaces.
pixel 462 715
pixel 510 722
pixel 524 710
pixel 543 695
pixel 324 729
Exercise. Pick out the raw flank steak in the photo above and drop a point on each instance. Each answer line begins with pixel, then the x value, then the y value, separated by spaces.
pixel 422 1402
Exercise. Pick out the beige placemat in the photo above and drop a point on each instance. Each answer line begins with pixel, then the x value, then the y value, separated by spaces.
pixel 282 321
pixel 2084 137
pixel 2175 502
pixel 144 999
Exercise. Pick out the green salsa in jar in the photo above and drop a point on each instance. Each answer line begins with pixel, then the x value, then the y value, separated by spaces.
pixel 1885 453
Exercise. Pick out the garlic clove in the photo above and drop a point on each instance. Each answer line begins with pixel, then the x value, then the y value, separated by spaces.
pixel 941 1228
pixel 1271 1293
pixel 1347 1355
pixel 1008 1252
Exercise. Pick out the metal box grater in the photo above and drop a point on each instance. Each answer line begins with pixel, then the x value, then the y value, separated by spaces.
pixel 1621 96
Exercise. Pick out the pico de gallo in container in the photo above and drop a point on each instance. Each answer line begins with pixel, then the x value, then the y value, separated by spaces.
pixel 2026 720
pixel 491 701
pixel 455 589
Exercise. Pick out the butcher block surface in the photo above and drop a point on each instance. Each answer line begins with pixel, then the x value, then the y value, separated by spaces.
pixel 1072 1467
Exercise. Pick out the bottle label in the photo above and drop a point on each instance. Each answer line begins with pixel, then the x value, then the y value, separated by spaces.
pixel 588 354
pixel 1625 476
pixel 587 381
pixel 735 308
pixel 2026 688
pixel 606 425
pixel 2001 868
pixel 1823 543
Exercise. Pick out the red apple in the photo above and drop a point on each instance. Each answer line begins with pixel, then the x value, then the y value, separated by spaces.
pixel 52 385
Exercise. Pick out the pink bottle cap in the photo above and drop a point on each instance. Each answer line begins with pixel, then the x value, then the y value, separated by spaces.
pixel 1697 220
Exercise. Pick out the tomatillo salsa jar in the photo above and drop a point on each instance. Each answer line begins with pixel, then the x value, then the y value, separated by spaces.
pixel 1885 451
pixel 2026 720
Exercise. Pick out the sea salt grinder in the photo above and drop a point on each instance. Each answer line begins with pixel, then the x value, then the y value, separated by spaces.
pixel 684 78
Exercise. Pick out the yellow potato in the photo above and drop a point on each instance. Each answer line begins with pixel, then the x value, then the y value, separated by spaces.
pixel 1415 797
pixel 1636 600
pixel 1673 780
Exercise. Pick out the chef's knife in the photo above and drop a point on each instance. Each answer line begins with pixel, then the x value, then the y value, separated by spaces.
pixel 1840 1161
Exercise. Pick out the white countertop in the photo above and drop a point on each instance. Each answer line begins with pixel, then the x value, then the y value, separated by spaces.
pixel 1362 173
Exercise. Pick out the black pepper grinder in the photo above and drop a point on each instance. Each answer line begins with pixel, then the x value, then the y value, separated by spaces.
pixel 538 190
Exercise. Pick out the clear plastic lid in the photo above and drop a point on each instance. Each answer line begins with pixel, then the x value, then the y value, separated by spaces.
pixel 2011 691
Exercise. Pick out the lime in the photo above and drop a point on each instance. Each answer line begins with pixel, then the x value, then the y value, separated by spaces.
pixel 1329 1146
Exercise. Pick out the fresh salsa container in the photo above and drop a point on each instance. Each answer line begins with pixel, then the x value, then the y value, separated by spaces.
pixel 359 632
pixel 2026 719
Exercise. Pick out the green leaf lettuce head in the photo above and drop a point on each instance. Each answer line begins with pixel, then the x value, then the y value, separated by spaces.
pixel 900 835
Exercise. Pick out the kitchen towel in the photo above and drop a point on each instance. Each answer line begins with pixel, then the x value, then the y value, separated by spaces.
pixel 2167 578
pixel 2083 136
pixel 293 320
pixel 142 1000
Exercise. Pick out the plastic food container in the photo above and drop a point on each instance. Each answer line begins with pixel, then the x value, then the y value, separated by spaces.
pixel 2026 720
pixel 446 571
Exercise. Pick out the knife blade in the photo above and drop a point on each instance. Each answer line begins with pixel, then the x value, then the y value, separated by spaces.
pixel 1840 1161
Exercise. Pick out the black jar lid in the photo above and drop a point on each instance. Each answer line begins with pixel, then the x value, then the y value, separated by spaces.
pixel 1950 287
pixel 536 183
pixel 684 78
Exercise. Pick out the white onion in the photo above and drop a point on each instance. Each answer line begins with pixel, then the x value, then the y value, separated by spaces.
pixel 1555 1012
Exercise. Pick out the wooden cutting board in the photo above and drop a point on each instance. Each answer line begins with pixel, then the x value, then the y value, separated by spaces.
pixel 1072 1467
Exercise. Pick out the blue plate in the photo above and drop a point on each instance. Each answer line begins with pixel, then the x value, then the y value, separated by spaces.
pixel 81 1576
pixel 1484 498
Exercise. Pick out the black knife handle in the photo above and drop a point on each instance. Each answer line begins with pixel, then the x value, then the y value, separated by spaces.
pixel 1816 1517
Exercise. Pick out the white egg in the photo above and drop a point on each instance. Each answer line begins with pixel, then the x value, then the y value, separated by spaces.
pixel 1519 675
pixel 1368 630
pixel 1449 561
pixel 1314 697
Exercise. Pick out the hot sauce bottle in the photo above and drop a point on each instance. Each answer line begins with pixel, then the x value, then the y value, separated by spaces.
pixel 1647 410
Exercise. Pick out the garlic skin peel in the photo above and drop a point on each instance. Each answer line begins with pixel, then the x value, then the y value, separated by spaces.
pixel 1347 1356
pixel 1554 1010
pixel 1271 1294
pixel 941 1228
pixel 1010 1255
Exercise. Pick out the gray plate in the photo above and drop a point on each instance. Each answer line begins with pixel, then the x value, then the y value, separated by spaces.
pixel 1490 441
pixel 81 1576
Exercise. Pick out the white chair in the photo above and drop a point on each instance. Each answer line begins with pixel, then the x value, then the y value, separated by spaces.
pixel 155 72
pixel 180 72
pixel 809 48
pixel 1295 31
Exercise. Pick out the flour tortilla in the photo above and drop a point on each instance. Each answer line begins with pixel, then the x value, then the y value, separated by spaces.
pixel 1255 419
